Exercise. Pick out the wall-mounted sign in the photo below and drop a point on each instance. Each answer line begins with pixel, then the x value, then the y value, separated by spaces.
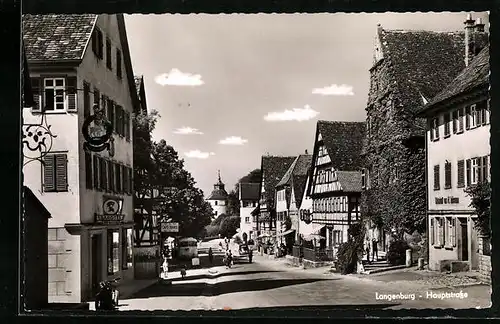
pixel 169 227
pixel 447 200
pixel 111 210
pixel 98 131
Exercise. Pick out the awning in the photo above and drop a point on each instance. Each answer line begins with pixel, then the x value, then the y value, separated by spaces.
pixel 285 232
pixel 314 237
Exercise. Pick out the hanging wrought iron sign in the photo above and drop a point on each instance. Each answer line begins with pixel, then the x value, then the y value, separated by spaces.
pixel 98 131
pixel 37 140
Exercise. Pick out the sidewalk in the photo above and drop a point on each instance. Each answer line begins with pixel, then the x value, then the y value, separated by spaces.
pixel 283 265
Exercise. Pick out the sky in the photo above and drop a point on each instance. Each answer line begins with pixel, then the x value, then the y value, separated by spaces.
pixel 231 88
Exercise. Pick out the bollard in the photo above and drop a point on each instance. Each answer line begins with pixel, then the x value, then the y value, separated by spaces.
pixel 408 258
pixel 420 263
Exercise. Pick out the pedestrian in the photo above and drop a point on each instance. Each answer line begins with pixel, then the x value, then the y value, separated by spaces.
pixel 165 269
pixel 375 249
pixel 210 256
pixel 367 249
pixel 183 271
pixel 250 255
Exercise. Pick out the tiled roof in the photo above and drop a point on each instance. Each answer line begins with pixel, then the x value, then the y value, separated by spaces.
pixel 474 75
pixel 274 168
pixel 299 186
pixel 218 194
pixel 423 62
pixel 299 167
pixel 350 181
pixel 343 141
pixel 249 191
pixel 57 37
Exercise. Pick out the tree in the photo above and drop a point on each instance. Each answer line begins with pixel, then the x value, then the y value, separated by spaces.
pixel 233 203
pixel 481 202
pixel 229 226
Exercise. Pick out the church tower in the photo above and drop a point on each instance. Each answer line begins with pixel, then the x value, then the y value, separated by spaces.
pixel 218 198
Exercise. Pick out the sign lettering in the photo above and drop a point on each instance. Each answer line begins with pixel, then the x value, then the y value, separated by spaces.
pixel 169 227
pixel 109 218
pixel 447 200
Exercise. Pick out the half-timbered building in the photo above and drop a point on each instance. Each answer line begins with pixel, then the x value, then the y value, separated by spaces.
pixel 335 180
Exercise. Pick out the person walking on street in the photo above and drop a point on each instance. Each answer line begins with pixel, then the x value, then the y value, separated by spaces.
pixel 250 255
pixel 375 249
pixel 367 249
pixel 210 256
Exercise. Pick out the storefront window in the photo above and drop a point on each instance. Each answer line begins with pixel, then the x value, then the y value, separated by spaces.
pixel 113 251
pixel 127 248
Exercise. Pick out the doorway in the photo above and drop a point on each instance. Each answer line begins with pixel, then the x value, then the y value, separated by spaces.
pixel 96 262
pixel 464 246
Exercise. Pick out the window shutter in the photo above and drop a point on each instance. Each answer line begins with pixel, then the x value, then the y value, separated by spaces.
pixel 49 173
pixel 124 173
pixel 127 126
pixel 61 172
pixel 86 99
pixel 94 43
pixel 118 64
pixel 455 121
pixel 104 170
pixel 436 177
pixel 111 176
pixel 460 174
pixel 97 97
pixel 484 172
pixel 119 120
pixel 479 169
pixel 483 113
pixel 460 120
pixel 118 174
pixel 71 93
pixel 468 172
pixel 88 170
pixel 447 175
pixel 109 64
pixel 97 185
pixel 453 230
pixel 443 237
pixel 100 44
pixel 109 111
pixel 432 231
pixel 131 180
pixel 467 117
pixel 36 87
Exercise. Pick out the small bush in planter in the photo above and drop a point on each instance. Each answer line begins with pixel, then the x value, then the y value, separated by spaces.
pixel 347 257
pixel 397 252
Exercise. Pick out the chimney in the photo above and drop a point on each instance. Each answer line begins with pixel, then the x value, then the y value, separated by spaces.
pixel 469 39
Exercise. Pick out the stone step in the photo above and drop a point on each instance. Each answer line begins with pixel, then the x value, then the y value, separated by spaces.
pixel 378 270
pixel 376 266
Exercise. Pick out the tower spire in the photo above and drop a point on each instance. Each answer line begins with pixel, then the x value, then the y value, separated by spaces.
pixel 218 172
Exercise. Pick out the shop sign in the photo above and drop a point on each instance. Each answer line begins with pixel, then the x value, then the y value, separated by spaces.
pixel 446 200
pixel 111 210
pixel 169 227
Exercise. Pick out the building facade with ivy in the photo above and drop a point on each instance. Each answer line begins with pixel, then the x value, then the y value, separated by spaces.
pixel 409 69
pixel 458 157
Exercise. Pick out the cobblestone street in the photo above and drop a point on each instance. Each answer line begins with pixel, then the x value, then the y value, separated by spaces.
pixel 271 283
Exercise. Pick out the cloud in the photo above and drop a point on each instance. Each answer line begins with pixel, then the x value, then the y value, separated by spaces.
pixel 178 78
pixel 187 131
pixel 297 114
pixel 334 90
pixel 233 140
pixel 197 154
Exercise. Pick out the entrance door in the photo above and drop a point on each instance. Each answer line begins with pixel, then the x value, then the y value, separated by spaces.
pixel 464 249
pixel 96 262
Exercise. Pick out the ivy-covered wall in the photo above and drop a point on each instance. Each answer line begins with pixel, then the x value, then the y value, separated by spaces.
pixel 396 194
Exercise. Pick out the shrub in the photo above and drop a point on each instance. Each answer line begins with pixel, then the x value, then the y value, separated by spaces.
pixel 397 252
pixel 347 257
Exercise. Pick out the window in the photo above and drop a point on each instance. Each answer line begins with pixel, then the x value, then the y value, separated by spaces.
pixel 441 231
pixel 487 112
pixel 109 64
pixel 216 203
pixel 455 121
pixel 436 177
pixel 86 99
pixel 88 170
pixel 460 174
pixel 95 165
pixel 124 173
pixel 97 43
pixel 119 120
pixel 131 180
pixel 475 170
pixel 110 111
pixel 104 100
pixel 118 64
pixel 127 257
pixel 215 213
pixel 446 125
pixel 247 220
pixel 434 129
pixel 53 96
pixel 97 97
pixel 447 175
pixel 127 126
pixel 474 119
pixel 460 120
pixel 432 230
pixel 55 173
pixel 451 232
pixel 113 251
pixel 336 237
pixel 468 172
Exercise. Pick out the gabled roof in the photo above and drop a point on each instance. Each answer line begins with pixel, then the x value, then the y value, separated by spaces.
pixel 299 167
pixel 57 37
pixel 343 141
pixel 423 62
pixel 350 181
pixel 273 169
pixel 474 76
pixel 249 191
pixel 30 197
pixel 299 187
